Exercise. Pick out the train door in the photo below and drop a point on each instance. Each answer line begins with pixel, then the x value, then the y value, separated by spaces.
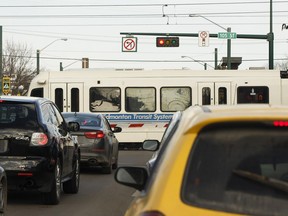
pixel 68 96
pixel 214 93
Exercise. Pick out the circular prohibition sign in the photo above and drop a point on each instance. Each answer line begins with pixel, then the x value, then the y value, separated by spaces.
pixel 203 34
pixel 129 44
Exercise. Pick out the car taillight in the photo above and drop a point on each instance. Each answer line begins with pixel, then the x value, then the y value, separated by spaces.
pixel 280 123
pixel 94 134
pixel 152 213
pixel 39 139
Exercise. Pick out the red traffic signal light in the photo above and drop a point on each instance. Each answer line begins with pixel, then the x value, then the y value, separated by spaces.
pixel 167 41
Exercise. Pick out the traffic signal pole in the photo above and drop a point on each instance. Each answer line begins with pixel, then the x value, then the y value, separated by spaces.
pixel 269 37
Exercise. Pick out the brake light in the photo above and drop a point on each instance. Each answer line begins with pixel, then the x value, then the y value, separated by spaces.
pixel 152 213
pixel 39 139
pixel 280 123
pixel 94 134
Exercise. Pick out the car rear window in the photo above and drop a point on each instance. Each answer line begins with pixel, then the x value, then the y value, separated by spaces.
pixel 17 115
pixel 83 120
pixel 239 167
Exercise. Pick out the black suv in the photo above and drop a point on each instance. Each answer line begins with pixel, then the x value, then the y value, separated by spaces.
pixel 37 150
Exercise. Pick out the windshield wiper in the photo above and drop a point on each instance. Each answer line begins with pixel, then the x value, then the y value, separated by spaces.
pixel 272 182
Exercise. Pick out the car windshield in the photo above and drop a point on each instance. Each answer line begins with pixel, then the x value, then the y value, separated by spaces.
pixel 16 115
pixel 241 168
pixel 83 120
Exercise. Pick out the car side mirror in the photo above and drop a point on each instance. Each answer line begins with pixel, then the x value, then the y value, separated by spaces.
pixel 151 145
pixel 135 177
pixel 116 129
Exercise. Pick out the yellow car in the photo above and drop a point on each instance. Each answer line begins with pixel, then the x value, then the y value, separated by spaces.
pixel 221 160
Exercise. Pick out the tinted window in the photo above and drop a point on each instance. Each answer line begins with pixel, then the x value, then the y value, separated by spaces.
pixel 229 167
pixel 253 94
pixel 206 96
pixel 74 100
pixel 16 115
pixel 222 95
pixel 37 92
pixel 83 120
pixel 59 98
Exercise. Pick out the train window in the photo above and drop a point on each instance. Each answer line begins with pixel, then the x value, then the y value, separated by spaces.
pixel 252 94
pixel 175 98
pixel 105 99
pixel 206 96
pixel 140 99
pixel 37 92
pixel 59 98
pixel 74 100
pixel 222 95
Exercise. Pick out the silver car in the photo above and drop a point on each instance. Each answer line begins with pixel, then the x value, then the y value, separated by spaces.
pixel 98 144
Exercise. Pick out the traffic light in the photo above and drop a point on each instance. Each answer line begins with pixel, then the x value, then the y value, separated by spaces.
pixel 167 41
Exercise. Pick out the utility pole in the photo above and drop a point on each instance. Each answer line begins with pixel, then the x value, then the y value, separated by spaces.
pixel 271 39
pixel 216 59
pixel 1 57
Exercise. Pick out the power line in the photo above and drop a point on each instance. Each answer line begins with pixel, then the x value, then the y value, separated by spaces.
pixel 139 5
pixel 160 15
pixel 138 60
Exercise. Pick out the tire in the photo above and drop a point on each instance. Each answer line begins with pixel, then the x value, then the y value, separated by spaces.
pixel 3 197
pixel 107 169
pixel 53 197
pixel 72 186
pixel 115 164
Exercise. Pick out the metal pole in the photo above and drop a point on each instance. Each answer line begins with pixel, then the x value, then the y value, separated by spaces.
pixel 228 50
pixel 216 59
pixel 61 66
pixel 38 60
pixel 38 52
pixel 205 66
pixel 271 39
pixel 1 56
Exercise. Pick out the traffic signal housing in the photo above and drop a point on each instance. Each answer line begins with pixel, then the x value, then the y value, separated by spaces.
pixel 167 41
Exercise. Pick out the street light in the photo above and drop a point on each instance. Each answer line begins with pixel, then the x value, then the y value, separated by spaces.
pixel 228 40
pixel 38 52
pixel 61 65
pixel 200 62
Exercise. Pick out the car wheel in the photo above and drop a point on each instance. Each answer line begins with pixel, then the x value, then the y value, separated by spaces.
pixel 53 197
pixel 115 164
pixel 72 186
pixel 3 196
pixel 107 169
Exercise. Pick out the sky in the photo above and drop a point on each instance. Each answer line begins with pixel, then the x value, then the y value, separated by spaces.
pixel 93 30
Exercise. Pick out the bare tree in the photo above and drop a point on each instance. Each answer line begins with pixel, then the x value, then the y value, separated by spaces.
pixel 283 65
pixel 17 64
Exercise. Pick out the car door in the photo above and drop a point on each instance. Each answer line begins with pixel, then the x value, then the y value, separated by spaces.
pixel 112 138
pixel 52 123
pixel 68 142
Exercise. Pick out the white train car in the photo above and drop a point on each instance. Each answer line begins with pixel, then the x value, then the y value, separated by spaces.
pixel 143 101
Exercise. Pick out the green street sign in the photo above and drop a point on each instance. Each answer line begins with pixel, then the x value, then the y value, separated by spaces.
pixel 227 35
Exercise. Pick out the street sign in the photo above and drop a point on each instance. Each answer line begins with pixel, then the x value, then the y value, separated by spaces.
pixel 203 38
pixel 6 82
pixel 129 44
pixel 227 35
